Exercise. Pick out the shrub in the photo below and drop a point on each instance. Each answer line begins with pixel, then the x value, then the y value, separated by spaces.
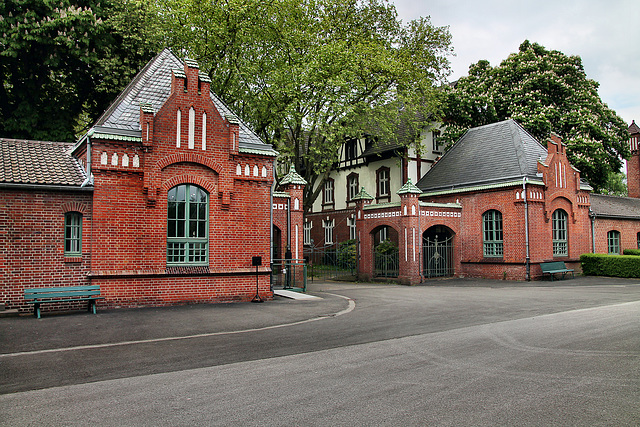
pixel 386 248
pixel 346 254
pixel 635 252
pixel 610 265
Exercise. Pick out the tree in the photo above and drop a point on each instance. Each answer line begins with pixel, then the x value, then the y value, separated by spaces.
pixel 307 74
pixel 62 62
pixel 545 91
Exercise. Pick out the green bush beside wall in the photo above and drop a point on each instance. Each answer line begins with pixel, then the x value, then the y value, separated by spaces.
pixel 635 252
pixel 610 265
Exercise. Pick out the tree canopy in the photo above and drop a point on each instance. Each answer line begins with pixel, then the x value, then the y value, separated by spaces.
pixel 307 74
pixel 545 91
pixel 62 62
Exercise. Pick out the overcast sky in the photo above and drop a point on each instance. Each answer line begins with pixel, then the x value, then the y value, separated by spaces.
pixel 605 34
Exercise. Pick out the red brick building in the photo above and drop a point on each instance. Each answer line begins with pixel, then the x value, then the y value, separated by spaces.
pixel 165 200
pixel 497 205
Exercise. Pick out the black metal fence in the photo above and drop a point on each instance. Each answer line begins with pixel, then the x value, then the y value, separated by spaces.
pixel 289 274
pixel 335 262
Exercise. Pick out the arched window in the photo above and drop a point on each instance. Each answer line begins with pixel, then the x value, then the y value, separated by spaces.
pixel 187 225
pixel 72 234
pixel 559 227
pixel 493 245
pixel 613 242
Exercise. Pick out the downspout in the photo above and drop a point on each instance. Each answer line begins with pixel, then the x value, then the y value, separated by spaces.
pixel 273 185
pixel 592 217
pixel 88 178
pixel 526 229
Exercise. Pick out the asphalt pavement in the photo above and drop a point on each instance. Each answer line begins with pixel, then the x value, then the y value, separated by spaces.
pixel 79 328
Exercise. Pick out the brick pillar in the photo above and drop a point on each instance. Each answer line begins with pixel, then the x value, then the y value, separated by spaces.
pixel 365 247
pixel 410 237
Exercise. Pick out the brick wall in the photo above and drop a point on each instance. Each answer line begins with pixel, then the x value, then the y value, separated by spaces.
pixel 32 242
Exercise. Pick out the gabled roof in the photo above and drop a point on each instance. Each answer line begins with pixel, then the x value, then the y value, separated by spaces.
pixel 633 128
pixel 39 163
pixel 493 154
pixel 614 206
pixel 152 86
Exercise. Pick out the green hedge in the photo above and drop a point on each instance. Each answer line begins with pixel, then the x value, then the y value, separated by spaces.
pixel 610 265
pixel 635 252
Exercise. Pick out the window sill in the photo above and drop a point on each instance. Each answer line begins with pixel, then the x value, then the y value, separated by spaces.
pixel 72 259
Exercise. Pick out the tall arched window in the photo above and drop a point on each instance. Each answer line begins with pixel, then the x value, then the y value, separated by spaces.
pixel 559 227
pixel 187 225
pixel 613 242
pixel 493 245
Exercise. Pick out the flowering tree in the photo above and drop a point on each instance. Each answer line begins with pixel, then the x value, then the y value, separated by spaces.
pixel 545 91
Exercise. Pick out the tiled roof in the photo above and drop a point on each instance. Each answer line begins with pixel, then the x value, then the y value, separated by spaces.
pixel 409 188
pixel 490 154
pixel 152 86
pixel 292 178
pixel 39 162
pixel 615 207
pixel 633 128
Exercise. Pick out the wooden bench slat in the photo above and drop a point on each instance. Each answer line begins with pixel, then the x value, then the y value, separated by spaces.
pixel 63 288
pixel 61 294
pixel 65 300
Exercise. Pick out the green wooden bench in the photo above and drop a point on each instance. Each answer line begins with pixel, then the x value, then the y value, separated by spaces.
pixel 38 296
pixel 551 268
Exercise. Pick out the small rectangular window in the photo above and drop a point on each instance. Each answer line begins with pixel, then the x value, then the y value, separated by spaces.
pixel 73 234
pixel 613 242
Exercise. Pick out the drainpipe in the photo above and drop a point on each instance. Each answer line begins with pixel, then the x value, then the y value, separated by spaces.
pixel 526 228
pixel 273 185
pixel 593 230
pixel 88 179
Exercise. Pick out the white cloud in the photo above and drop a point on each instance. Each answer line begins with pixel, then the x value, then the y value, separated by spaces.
pixel 605 34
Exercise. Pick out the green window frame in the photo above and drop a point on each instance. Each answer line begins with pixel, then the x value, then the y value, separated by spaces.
pixel 613 242
pixel 73 234
pixel 492 240
pixel 187 225
pixel 559 230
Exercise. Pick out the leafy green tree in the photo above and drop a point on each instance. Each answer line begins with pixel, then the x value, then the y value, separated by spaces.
pixel 306 74
pixel 545 91
pixel 616 185
pixel 62 62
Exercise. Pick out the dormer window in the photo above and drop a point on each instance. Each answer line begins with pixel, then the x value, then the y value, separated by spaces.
pixel 351 150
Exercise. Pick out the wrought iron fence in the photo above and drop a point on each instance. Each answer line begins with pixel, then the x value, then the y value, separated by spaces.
pixel 336 262
pixel 387 264
pixel 289 274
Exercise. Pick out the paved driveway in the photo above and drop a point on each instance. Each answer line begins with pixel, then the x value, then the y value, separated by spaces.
pixel 458 352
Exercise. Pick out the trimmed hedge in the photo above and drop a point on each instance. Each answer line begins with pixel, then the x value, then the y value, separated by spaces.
pixel 635 252
pixel 610 265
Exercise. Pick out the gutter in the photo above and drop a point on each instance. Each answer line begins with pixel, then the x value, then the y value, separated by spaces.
pixel 10 186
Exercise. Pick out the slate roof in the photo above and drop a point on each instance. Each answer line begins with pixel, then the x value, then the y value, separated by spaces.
pixel 487 155
pixel 614 206
pixel 633 128
pixel 152 86
pixel 39 163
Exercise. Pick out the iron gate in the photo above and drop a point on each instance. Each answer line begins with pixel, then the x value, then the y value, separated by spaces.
pixel 387 265
pixel 438 256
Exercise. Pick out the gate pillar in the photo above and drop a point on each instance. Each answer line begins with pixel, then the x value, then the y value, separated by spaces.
pixel 364 249
pixel 410 235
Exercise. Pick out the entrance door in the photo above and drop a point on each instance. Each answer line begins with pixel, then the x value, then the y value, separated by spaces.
pixel 437 244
